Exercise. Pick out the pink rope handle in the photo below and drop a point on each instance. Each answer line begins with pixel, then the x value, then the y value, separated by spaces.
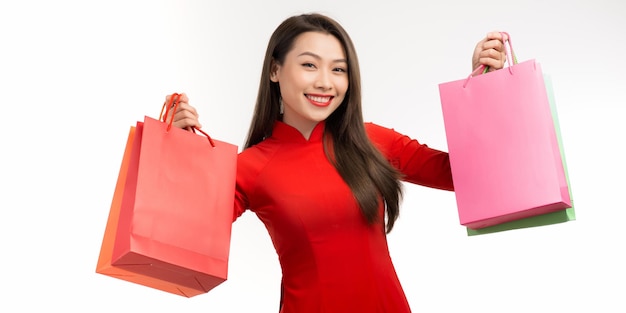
pixel 510 56
pixel 173 105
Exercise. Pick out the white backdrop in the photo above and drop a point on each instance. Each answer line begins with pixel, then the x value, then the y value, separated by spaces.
pixel 77 74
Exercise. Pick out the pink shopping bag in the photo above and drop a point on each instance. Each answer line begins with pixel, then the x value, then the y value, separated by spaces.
pixel 562 216
pixel 504 152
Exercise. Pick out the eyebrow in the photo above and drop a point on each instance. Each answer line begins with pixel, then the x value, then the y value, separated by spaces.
pixel 318 57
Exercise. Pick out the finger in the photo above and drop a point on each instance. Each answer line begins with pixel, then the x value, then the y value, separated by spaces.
pixel 492 54
pixel 489 63
pixel 496 35
pixel 183 98
pixel 180 99
pixel 493 44
pixel 490 48
pixel 187 115
pixel 170 101
pixel 186 121
pixel 492 64
pixel 167 100
pixel 185 107
pixel 495 53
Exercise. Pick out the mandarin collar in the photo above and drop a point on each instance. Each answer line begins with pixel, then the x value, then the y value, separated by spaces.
pixel 286 132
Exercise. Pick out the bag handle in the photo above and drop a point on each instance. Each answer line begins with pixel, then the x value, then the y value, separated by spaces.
pixel 173 106
pixel 510 56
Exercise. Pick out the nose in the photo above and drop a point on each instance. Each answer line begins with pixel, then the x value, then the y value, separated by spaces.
pixel 324 80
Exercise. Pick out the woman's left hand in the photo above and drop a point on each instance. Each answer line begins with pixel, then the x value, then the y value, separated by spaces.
pixel 490 52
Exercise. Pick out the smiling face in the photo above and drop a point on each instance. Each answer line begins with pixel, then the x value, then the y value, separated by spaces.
pixel 313 80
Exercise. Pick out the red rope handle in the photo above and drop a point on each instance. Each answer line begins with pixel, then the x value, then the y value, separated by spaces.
pixel 207 135
pixel 173 104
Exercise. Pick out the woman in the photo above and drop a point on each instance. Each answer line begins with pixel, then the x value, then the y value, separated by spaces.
pixel 326 185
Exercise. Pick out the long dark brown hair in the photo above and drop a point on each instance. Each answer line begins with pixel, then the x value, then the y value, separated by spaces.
pixel 367 173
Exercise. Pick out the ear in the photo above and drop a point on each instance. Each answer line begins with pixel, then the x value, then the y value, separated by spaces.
pixel 274 71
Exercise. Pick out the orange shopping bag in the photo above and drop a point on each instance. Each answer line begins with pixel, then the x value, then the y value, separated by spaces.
pixel 171 215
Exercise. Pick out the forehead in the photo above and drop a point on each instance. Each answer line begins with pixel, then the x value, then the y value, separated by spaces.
pixel 323 45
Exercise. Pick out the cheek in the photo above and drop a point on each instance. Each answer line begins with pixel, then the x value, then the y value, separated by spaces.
pixel 341 84
pixel 296 82
pixel 342 87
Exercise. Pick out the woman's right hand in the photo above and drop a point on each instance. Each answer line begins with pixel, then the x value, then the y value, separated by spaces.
pixel 186 116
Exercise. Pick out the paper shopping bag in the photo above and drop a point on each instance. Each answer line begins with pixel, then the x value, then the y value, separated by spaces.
pixel 104 265
pixel 560 216
pixel 504 152
pixel 177 209
pixel 170 219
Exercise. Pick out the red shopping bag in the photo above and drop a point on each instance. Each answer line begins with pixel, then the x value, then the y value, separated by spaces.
pixel 175 216
pixel 104 265
pixel 504 152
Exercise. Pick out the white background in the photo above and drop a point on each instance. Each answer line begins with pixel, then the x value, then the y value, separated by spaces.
pixel 75 75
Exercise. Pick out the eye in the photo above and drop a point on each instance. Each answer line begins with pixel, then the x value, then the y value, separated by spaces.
pixel 340 69
pixel 311 65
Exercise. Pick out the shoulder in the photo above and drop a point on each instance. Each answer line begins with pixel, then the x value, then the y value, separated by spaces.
pixel 251 161
pixel 374 128
pixel 380 134
pixel 255 156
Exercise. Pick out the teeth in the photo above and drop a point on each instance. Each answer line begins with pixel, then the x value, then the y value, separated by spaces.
pixel 319 99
